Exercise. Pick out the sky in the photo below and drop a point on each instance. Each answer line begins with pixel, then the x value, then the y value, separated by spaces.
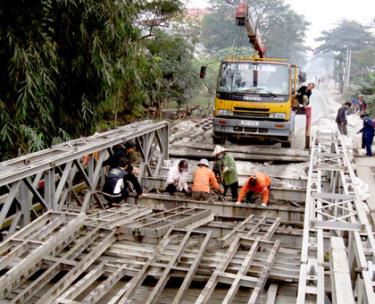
pixel 334 11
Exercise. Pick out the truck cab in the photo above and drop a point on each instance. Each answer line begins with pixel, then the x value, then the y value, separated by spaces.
pixel 254 99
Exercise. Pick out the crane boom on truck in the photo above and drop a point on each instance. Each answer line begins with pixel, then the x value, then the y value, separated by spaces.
pixel 255 95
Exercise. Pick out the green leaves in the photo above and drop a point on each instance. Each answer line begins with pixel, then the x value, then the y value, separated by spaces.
pixel 353 36
pixel 283 30
pixel 68 65
pixel 348 34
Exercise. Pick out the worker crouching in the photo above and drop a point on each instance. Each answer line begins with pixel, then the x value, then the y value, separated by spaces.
pixel 204 179
pixel 177 178
pixel 116 187
pixel 258 184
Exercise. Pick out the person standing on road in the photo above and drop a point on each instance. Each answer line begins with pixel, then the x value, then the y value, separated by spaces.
pixel 355 105
pixel 257 184
pixel 341 119
pixel 227 171
pixel 177 178
pixel 368 133
pixel 304 93
pixel 362 104
pixel 204 179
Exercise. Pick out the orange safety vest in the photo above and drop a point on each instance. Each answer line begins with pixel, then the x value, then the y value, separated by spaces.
pixel 203 179
pixel 262 186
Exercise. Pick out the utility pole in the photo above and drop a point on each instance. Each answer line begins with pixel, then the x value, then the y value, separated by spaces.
pixel 347 68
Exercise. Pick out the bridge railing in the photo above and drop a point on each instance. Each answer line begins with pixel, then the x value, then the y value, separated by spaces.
pixel 335 215
pixel 50 179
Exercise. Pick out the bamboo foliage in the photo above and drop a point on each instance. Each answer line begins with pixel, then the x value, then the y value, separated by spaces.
pixel 61 61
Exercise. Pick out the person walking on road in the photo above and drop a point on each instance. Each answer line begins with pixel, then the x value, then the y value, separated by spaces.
pixel 341 119
pixel 227 171
pixel 204 179
pixel 177 178
pixel 258 184
pixel 368 133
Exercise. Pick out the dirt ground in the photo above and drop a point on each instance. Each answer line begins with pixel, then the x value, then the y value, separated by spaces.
pixel 325 102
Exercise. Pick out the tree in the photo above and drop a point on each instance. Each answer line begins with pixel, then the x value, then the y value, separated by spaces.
pixel 178 81
pixel 282 30
pixel 349 36
pixel 63 62
pixel 346 35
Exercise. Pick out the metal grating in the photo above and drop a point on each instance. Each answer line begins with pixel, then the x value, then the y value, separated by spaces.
pixel 252 227
pixel 241 278
pixel 157 224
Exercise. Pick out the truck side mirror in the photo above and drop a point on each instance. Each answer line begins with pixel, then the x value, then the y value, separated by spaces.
pixel 202 73
pixel 302 76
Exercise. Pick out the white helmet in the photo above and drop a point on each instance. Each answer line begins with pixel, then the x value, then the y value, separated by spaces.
pixel 204 162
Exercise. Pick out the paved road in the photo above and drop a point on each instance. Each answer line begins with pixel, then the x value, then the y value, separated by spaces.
pixel 318 101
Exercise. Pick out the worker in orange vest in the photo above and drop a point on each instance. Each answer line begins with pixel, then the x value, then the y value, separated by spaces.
pixel 257 184
pixel 204 179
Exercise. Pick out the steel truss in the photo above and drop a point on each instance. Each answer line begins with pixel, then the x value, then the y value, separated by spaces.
pixel 50 179
pixel 242 277
pixel 156 225
pixel 252 227
pixel 38 254
pixel 167 260
pixel 70 257
pixel 335 210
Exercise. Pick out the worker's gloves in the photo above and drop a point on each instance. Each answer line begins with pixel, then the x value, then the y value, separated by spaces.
pixel 226 169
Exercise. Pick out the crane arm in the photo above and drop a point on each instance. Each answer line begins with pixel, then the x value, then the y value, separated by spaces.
pixel 243 18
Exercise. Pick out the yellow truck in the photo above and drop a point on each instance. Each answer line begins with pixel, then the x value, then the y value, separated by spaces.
pixel 255 96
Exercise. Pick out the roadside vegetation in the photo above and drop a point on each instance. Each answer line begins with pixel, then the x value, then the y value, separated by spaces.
pixel 71 67
pixel 355 40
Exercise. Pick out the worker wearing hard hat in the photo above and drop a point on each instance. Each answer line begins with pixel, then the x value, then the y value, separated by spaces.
pixel 225 168
pixel 257 184
pixel 204 179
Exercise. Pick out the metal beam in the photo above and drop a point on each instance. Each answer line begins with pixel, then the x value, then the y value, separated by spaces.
pixel 51 175
pixel 164 202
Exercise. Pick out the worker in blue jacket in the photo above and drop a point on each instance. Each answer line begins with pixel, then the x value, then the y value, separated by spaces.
pixel 368 133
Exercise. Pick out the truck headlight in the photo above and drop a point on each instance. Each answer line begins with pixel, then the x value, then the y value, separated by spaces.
pixel 278 115
pixel 225 113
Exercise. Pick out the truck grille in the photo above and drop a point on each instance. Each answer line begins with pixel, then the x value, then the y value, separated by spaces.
pixel 246 112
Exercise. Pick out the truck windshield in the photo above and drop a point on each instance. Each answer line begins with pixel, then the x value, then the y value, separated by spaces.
pixel 249 77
